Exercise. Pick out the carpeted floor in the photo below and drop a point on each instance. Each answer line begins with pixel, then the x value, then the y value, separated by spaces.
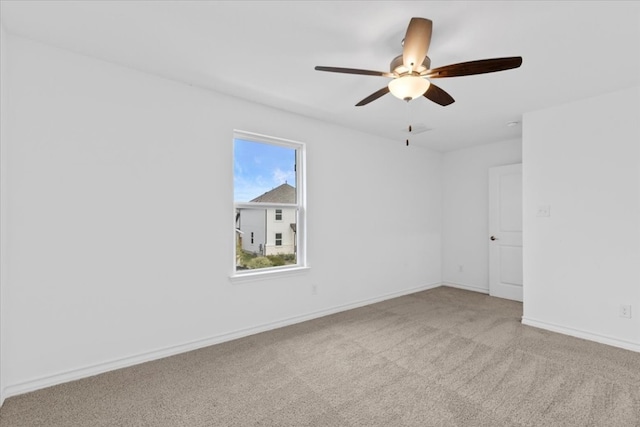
pixel 443 357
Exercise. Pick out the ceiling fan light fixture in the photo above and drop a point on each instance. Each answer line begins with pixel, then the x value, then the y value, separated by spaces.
pixel 408 87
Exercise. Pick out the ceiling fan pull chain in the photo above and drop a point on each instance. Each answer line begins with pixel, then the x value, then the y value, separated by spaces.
pixel 408 112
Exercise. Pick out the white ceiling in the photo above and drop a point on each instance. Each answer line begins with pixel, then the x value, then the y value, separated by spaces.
pixel 265 51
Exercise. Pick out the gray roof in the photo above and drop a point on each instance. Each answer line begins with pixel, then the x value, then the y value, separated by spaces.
pixel 281 194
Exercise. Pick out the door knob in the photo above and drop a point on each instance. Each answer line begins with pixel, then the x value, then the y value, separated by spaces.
pixel 493 238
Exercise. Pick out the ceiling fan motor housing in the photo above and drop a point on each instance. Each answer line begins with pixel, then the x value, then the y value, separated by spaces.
pixel 397 65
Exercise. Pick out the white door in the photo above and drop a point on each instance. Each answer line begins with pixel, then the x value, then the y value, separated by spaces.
pixel 505 232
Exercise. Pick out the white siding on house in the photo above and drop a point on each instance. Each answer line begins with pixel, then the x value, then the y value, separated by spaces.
pixel 264 226
pixel 253 221
pixel 281 226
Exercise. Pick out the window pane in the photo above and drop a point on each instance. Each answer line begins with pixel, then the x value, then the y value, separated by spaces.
pixel 264 172
pixel 272 244
pixel 268 197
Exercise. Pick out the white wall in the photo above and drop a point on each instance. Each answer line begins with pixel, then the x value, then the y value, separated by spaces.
pixel 4 131
pixel 465 211
pixel 121 217
pixel 582 263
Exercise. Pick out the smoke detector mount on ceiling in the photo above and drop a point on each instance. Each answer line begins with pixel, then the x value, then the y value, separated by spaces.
pixel 416 129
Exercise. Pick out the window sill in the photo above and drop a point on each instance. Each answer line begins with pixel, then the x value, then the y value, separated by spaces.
pixel 266 275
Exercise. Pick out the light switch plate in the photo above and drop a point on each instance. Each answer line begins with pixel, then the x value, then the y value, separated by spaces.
pixel 625 311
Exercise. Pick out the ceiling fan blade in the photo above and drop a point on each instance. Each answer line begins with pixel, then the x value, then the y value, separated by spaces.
pixel 475 67
pixel 438 95
pixel 416 42
pixel 354 71
pixel 373 96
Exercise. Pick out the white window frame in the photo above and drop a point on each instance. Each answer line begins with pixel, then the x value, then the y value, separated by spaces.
pixel 300 206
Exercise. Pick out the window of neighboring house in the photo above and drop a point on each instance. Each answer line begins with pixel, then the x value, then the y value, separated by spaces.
pixel 270 203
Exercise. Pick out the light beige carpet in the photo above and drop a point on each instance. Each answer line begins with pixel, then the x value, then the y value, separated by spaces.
pixel 443 357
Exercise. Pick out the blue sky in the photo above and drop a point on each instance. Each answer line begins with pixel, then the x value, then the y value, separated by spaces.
pixel 259 168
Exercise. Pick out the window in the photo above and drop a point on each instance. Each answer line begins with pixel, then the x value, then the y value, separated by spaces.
pixel 269 204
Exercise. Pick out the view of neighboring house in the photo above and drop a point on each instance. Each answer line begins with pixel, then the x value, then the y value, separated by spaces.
pixel 269 231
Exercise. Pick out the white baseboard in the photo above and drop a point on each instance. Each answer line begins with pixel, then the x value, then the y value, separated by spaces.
pixel 590 336
pixel 88 371
pixel 466 287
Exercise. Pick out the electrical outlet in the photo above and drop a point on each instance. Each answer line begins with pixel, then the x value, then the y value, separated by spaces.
pixel 314 289
pixel 625 311
pixel 544 211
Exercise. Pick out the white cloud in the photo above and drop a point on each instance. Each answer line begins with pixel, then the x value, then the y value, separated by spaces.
pixel 280 176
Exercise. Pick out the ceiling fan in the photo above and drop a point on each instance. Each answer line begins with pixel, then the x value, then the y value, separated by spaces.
pixel 410 72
